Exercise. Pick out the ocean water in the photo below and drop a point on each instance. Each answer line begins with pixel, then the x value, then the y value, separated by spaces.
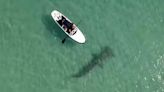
pixel 33 59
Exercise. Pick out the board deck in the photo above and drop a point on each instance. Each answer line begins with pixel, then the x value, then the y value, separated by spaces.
pixel 75 34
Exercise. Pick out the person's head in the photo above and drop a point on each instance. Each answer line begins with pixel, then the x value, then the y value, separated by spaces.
pixel 73 26
pixel 63 20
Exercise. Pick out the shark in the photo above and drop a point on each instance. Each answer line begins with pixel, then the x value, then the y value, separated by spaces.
pixel 97 60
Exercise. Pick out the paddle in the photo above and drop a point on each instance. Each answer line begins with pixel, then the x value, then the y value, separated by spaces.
pixel 64 39
pixel 67 36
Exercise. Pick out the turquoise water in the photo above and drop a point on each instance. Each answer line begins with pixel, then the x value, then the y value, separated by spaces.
pixel 33 59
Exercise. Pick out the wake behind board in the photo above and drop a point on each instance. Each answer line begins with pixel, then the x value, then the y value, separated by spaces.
pixel 74 33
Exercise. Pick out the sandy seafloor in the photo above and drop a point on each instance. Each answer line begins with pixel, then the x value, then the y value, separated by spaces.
pixel 33 59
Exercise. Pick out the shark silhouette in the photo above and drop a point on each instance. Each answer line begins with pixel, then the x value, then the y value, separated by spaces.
pixel 97 60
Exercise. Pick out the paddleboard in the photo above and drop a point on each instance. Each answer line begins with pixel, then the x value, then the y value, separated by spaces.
pixel 68 26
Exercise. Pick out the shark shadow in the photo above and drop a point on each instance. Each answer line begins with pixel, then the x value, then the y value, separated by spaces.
pixel 97 60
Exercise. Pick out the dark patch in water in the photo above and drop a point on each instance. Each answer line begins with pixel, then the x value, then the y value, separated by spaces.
pixel 98 59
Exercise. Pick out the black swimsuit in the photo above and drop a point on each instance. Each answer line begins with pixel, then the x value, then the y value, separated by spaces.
pixel 66 23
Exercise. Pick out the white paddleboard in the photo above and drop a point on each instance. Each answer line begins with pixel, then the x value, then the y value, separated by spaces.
pixel 75 33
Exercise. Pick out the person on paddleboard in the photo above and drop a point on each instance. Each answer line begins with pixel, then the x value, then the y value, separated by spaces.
pixel 68 26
